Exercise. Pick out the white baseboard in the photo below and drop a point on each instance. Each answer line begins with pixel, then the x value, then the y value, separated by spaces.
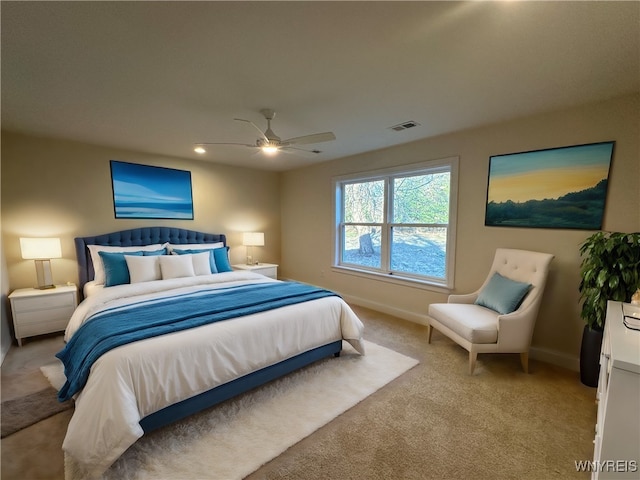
pixel 556 358
pixel 536 353
pixel 380 307
pixel 6 342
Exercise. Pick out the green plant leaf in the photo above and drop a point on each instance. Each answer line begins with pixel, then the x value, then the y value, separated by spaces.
pixel 609 270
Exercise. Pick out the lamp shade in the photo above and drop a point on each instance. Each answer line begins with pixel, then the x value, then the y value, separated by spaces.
pixel 253 239
pixel 40 248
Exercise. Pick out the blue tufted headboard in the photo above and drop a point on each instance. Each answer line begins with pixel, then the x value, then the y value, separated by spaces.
pixel 134 238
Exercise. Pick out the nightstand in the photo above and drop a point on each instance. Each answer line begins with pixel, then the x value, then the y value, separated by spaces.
pixel 267 269
pixel 36 312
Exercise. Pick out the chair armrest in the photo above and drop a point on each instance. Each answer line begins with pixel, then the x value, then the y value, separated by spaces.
pixel 465 298
pixel 516 328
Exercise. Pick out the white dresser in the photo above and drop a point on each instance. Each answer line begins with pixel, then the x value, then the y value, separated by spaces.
pixel 617 440
pixel 36 312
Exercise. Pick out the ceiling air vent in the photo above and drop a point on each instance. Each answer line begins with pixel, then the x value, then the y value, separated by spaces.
pixel 404 126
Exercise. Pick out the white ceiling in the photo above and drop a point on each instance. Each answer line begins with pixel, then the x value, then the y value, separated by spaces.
pixel 159 76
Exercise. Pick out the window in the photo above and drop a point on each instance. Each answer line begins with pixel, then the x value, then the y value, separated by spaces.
pixel 398 223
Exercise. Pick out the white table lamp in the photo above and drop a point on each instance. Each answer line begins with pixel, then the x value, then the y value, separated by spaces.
pixel 42 250
pixel 252 239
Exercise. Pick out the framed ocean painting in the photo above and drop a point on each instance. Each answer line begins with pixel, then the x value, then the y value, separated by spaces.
pixel 143 191
pixel 563 187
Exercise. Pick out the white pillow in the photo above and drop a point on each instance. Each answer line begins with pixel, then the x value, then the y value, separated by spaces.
pixel 98 267
pixel 176 266
pixel 201 263
pixel 194 246
pixel 143 269
pixel 92 287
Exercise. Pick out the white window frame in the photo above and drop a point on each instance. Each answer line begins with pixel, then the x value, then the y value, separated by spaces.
pixel 384 273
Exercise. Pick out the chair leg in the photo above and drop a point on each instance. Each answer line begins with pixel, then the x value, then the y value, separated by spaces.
pixel 473 356
pixel 429 331
pixel 524 360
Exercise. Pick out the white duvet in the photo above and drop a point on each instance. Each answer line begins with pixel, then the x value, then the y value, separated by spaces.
pixel 135 380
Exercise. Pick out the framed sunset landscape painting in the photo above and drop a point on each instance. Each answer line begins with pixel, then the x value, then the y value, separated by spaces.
pixel 563 187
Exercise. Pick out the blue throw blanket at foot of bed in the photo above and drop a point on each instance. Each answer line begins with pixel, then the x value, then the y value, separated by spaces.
pixel 118 326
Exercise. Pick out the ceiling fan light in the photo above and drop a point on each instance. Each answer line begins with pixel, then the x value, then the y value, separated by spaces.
pixel 199 149
pixel 269 149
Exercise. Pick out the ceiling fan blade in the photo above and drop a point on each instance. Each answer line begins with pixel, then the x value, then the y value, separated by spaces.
pixel 302 150
pixel 225 143
pixel 262 135
pixel 308 139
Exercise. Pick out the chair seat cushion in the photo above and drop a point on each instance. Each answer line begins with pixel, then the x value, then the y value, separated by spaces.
pixel 472 322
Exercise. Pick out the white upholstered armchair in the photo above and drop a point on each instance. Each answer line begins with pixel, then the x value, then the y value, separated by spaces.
pixel 499 317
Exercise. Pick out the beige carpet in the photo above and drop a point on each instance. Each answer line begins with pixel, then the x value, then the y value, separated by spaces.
pixel 437 422
pixel 261 424
pixel 433 422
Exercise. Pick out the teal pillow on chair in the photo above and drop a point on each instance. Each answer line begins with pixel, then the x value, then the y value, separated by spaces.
pixel 502 294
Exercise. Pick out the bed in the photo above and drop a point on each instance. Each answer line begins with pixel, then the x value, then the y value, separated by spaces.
pixel 125 385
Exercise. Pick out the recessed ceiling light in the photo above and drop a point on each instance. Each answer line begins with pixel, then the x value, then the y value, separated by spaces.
pixel 199 150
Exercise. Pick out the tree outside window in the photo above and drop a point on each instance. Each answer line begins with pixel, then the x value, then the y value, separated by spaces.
pixel 398 223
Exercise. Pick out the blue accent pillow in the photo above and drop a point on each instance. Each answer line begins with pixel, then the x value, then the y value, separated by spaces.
pixel 221 256
pixel 212 260
pixel 502 294
pixel 155 252
pixel 116 271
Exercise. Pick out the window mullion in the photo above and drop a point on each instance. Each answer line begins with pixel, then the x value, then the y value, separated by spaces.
pixel 385 250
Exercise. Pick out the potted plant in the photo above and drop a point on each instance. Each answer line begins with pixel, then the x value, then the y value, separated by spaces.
pixel 610 270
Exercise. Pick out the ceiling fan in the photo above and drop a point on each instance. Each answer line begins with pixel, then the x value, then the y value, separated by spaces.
pixel 269 143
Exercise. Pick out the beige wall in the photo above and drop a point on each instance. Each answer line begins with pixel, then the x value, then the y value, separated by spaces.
pixel 60 188
pixel 63 189
pixel 307 215
pixel 5 332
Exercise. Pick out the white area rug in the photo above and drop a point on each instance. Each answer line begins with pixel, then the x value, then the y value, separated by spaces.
pixel 234 439
pixel 54 373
